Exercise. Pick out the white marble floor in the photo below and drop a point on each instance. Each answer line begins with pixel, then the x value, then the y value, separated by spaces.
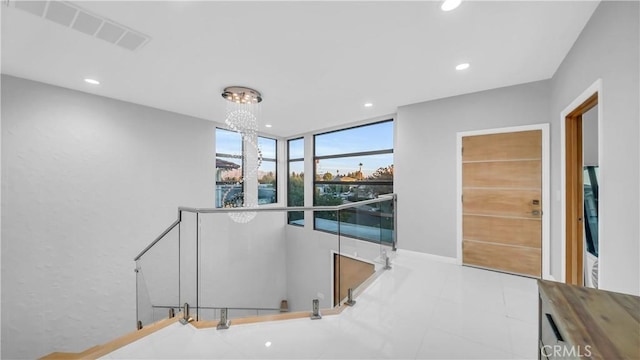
pixel 420 309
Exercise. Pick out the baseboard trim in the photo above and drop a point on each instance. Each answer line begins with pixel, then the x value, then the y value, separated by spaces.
pixel 439 258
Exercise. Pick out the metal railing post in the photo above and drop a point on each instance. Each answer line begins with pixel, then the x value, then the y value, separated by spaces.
pixel 387 261
pixel 350 301
pixel 185 315
pixel 224 320
pixel 394 205
pixel 315 314
pixel 197 266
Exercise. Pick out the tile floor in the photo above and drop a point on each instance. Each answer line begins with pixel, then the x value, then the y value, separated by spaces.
pixel 420 309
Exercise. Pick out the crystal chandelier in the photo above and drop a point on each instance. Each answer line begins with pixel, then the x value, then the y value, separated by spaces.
pixel 243 113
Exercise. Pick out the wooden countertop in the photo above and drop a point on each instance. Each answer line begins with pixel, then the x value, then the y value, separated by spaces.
pixel 607 321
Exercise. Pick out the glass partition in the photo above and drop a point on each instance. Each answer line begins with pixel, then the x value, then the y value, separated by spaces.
pixel 189 261
pixel 252 264
pixel 366 236
pixel 260 266
pixel 157 279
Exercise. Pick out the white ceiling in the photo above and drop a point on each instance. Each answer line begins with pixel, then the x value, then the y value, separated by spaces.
pixel 316 63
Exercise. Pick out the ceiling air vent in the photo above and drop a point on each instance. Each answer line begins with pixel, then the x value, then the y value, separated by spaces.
pixel 34 7
pixel 61 13
pixel 86 23
pixel 71 15
pixel 110 32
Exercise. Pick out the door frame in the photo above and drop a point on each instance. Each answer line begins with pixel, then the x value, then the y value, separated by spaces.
pixel 595 88
pixel 544 127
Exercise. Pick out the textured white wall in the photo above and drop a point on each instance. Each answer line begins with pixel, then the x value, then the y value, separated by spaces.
pixel 425 157
pixel 87 182
pixel 607 49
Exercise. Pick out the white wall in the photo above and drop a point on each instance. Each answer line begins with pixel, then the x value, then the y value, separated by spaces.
pixel 590 137
pixel 310 263
pixel 607 49
pixel 87 182
pixel 425 157
pixel 243 265
pixel 309 267
pixel 0 218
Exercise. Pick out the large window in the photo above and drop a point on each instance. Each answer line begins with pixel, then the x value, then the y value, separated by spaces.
pixel 352 165
pixel 229 171
pixel 295 186
pixel 229 189
pixel 267 189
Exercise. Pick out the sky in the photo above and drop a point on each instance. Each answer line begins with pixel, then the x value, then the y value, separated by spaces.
pixel 364 138
pixel 372 137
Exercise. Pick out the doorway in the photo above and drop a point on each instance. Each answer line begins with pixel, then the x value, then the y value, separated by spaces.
pixel 501 202
pixel 543 201
pixel 581 194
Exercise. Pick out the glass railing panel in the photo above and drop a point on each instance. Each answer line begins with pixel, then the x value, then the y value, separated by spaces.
pixel 253 264
pixel 208 313
pixel 247 313
pixel 243 261
pixel 369 222
pixel 157 279
pixel 252 267
pixel 358 220
pixel 189 258
pixel 366 236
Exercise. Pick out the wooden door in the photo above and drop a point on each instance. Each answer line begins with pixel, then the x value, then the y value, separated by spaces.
pixel 502 202
pixel 348 273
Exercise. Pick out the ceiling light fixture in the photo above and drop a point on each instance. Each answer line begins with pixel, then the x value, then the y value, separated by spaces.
pixel 91 81
pixel 243 113
pixel 449 5
pixel 462 66
pixel 268 125
pixel 368 105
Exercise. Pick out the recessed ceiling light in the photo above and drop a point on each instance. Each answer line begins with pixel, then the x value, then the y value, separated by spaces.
pixel 449 5
pixel 268 125
pixel 368 105
pixel 92 81
pixel 267 344
pixel 462 66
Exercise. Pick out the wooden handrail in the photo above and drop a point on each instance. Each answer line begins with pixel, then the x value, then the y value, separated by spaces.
pixel 102 350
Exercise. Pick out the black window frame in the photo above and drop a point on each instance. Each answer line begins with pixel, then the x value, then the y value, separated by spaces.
pixel 342 155
pixel 229 156
pixel 241 157
pixel 275 163
pixel 289 161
